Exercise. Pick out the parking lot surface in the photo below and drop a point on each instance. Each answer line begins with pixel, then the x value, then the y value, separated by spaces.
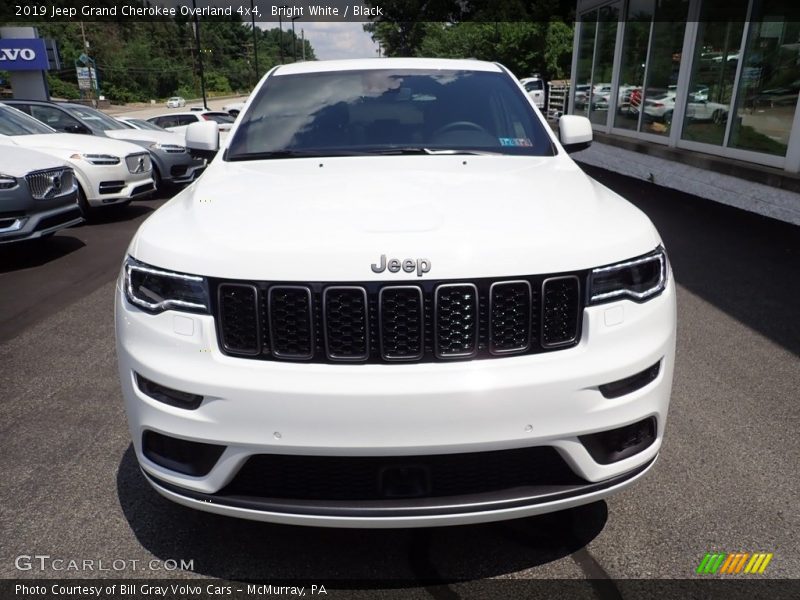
pixel 726 479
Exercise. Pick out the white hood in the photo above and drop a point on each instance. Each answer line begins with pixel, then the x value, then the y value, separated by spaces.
pixel 64 144
pixel 329 219
pixel 18 162
pixel 146 135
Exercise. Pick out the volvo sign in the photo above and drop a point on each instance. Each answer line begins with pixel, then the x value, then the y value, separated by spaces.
pixel 23 55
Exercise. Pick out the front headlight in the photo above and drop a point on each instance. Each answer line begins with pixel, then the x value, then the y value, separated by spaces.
pixel 171 148
pixel 156 290
pixel 98 159
pixel 7 182
pixel 639 279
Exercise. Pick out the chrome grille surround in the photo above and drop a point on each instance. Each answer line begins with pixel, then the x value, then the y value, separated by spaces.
pixel 51 183
pixel 138 163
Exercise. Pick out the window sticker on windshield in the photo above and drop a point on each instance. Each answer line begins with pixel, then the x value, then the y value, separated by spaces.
pixel 515 141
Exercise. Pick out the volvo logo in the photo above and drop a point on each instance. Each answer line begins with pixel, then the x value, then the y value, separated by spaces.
pixel 9 54
pixel 409 265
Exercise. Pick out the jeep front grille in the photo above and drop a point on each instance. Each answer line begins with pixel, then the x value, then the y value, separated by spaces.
pixel 380 322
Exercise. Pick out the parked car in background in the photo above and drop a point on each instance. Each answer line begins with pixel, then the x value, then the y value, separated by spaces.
pixel 172 164
pixel 38 195
pixel 176 102
pixel 178 122
pixel 536 90
pixel 581 95
pixel 133 123
pixel 660 107
pixel 234 109
pixel 108 171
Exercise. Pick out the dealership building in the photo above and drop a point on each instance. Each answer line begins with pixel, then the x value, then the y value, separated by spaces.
pixel 697 95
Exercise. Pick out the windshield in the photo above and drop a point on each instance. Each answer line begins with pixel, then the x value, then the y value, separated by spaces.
pixel 14 122
pixel 389 112
pixel 218 117
pixel 94 118
pixel 142 124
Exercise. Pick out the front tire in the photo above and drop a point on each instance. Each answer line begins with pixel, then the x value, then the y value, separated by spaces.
pixel 87 212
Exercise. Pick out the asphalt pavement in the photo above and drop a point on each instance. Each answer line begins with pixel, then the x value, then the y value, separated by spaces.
pixel 726 479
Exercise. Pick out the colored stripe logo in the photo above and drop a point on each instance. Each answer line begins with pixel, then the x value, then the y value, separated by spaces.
pixel 734 563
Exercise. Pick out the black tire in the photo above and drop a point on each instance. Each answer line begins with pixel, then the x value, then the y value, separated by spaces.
pixel 718 117
pixel 668 117
pixel 87 211
pixel 158 183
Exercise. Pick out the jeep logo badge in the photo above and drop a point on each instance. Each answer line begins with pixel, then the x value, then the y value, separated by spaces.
pixel 409 265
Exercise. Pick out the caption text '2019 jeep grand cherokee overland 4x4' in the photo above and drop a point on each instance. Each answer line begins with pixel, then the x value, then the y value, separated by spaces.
pixel 394 300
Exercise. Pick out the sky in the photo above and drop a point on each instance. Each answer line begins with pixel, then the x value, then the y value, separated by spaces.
pixel 335 40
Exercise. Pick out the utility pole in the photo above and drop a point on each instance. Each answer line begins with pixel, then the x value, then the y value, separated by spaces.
pixel 294 41
pixel 280 30
pixel 303 37
pixel 255 41
pixel 199 54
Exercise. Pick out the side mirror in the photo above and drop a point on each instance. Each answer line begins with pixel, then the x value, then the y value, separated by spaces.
pixel 575 133
pixel 202 138
pixel 77 128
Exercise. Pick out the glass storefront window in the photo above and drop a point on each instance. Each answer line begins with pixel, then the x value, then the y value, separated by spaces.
pixel 663 66
pixel 583 72
pixel 603 64
pixel 769 82
pixel 634 59
pixel 717 56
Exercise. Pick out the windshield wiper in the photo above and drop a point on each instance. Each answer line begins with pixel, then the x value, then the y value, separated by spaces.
pixel 432 151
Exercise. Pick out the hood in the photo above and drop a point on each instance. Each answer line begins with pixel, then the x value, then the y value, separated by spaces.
pixel 60 143
pixel 330 219
pixel 18 162
pixel 145 135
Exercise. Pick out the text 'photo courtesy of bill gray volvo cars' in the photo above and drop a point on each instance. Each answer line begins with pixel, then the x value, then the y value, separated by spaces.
pixel 107 171
pixel 393 300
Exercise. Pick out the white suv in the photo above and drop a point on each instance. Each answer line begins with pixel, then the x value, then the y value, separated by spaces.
pixel 394 300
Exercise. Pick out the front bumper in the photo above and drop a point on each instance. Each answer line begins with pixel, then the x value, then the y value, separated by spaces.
pixel 111 184
pixel 178 167
pixel 397 410
pixel 24 218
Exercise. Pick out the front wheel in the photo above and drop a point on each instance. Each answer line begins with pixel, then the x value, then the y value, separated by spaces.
pixel 87 211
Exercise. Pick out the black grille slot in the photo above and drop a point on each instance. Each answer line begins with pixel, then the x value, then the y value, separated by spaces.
pixel 401 323
pixel 290 322
pixel 456 320
pixel 510 317
pixel 238 313
pixel 365 477
pixel 376 322
pixel 560 311
pixel 346 324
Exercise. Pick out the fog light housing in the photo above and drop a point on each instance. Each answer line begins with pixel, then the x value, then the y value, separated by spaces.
pixel 190 458
pixel 167 395
pixel 611 446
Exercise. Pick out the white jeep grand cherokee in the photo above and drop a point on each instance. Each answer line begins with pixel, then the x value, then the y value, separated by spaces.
pixel 393 300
